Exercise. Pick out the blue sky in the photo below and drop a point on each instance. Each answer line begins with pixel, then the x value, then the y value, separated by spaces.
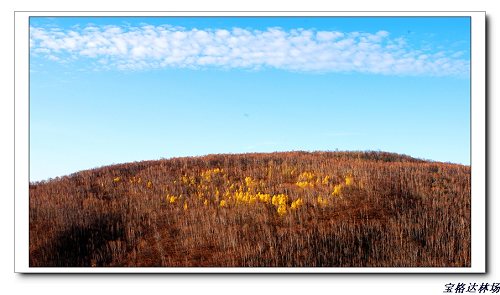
pixel 113 90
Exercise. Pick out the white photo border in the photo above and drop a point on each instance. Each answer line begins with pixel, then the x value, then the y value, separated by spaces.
pixel 477 145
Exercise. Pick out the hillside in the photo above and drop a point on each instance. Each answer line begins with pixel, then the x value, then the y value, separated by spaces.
pixel 346 209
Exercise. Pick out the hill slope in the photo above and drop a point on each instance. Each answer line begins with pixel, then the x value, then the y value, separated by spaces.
pixel 281 209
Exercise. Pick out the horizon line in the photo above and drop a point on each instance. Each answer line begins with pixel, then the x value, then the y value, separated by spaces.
pixel 34 182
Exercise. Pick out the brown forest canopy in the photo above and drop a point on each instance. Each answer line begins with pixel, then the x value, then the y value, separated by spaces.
pixel 274 209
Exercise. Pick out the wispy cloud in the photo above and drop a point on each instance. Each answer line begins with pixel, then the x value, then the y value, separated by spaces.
pixel 303 50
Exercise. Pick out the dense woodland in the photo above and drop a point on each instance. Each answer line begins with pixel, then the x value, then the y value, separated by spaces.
pixel 291 209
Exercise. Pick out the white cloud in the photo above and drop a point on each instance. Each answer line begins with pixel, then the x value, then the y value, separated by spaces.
pixel 305 50
pixel 328 36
